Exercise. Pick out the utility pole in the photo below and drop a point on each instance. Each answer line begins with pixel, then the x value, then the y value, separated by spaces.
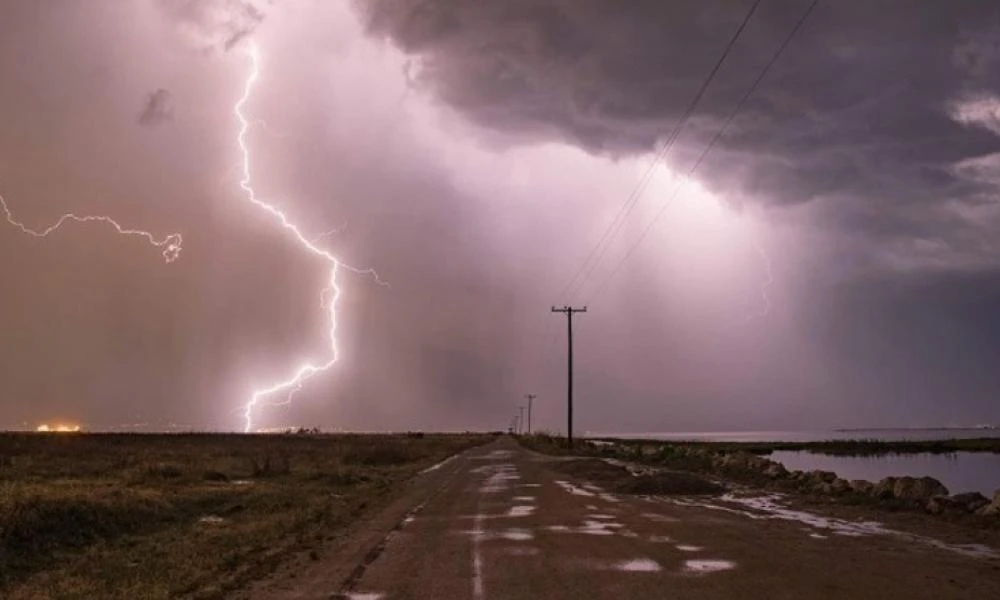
pixel 530 397
pixel 568 311
pixel 521 418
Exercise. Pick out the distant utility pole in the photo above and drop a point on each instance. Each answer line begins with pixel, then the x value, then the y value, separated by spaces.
pixel 568 311
pixel 521 418
pixel 530 397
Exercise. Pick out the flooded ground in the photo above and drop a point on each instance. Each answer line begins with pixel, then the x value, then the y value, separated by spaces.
pixel 959 472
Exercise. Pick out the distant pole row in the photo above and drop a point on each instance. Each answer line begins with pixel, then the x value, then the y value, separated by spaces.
pixel 517 426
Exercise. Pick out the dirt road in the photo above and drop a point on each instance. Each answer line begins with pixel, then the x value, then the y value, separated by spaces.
pixel 498 522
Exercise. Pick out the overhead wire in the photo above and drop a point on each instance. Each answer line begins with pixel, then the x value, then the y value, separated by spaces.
pixel 718 135
pixel 600 249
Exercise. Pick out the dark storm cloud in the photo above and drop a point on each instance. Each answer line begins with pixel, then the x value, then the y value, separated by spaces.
pixel 157 108
pixel 216 25
pixel 905 348
pixel 867 115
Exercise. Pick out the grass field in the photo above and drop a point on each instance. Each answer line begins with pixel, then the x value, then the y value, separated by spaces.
pixel 157 516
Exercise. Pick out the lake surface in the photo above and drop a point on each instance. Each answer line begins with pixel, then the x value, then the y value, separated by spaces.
pixel 810 436
pixel 959 472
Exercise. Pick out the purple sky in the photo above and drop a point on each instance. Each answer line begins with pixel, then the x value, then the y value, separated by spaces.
pixel 474 154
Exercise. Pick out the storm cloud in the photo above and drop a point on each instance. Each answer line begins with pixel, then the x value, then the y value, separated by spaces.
pixel 157 108
pixel 883 117
pixel 215 25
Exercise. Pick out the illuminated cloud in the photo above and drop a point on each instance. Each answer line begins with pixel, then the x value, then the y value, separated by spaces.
pixel 864 117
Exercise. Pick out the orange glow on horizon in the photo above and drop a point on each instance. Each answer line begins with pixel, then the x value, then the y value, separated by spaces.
pixel 46 428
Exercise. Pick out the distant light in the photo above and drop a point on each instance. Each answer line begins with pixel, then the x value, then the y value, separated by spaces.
pixel 57 428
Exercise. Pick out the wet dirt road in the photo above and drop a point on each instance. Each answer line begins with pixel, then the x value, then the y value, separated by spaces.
pixel 497 522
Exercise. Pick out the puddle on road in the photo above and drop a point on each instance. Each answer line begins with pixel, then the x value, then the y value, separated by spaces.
pixel 439 465
pixel 638 565
pixel 521 551
pixel 572 489
pixel 211 520
pixel 496 455
pixel 499 478
pixel 516 535
pixel 708 566
pixel 768 507
pixel 520 511
pixel 589 527
pixel 659 518
pixel 524 499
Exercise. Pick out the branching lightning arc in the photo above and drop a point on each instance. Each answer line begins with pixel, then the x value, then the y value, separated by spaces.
pixel 765 299
pixel 171 245
pixel 328 296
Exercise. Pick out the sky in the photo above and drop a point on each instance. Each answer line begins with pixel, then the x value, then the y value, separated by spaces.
pixel 833 261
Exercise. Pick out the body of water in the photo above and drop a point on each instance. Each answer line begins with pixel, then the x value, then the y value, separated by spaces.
pixel 810 436
pixel 959 472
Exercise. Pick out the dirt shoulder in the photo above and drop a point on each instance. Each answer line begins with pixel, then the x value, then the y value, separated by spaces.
pixel 631 470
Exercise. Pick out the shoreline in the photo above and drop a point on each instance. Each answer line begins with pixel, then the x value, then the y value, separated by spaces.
pixel 733 463
pixel 856 447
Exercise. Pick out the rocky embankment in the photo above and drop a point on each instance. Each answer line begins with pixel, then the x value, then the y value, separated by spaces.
pixel 914 493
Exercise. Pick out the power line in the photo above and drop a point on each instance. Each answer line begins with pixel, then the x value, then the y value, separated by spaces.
pixel 599 250
pixel 569 311
pixel 531 398
pixel 718 135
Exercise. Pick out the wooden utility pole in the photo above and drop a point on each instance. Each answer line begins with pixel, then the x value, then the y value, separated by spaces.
pixel 521 417
pixel 530 397
pixel 568 311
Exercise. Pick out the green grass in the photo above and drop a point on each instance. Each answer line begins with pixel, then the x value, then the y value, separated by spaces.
pixel 158 516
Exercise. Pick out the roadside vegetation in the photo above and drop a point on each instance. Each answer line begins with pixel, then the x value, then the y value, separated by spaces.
pixel 158 516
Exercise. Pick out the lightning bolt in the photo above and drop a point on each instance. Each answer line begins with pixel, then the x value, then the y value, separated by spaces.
pixel 170 245
pixel 328 296
pixel 765 306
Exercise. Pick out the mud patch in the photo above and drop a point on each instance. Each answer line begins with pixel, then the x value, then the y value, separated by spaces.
pixel 668 484
pixel 593 469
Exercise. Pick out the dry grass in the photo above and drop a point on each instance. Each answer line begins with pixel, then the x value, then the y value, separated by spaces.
pixel 158 516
